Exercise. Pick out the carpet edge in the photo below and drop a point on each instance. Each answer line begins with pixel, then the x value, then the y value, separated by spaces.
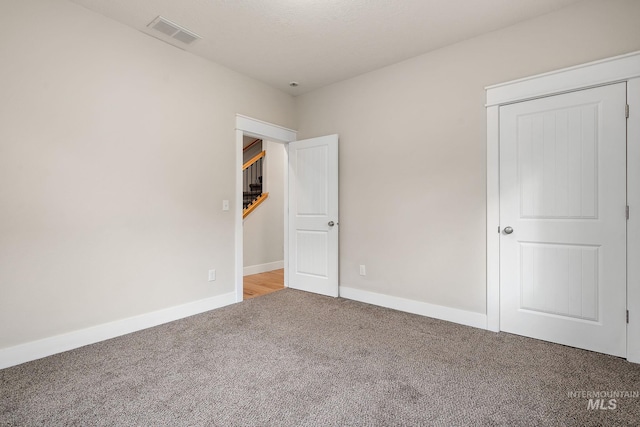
pixel 455 315
pixel 21 353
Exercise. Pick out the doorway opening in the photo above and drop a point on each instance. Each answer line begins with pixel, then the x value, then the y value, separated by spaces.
pixel 310 208
pixel 274 137
pixel 263 195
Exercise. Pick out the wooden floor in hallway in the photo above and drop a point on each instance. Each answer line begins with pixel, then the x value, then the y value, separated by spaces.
pixel 257 285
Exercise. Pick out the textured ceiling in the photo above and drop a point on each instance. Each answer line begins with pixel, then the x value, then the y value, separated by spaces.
pixel 319 42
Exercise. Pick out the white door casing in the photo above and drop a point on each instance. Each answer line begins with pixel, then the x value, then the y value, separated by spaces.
pixel 313 215
pixel 563 192
pixel 623 68
pixel 263 130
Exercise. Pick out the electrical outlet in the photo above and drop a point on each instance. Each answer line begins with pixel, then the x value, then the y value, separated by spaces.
pixel 212 275
pixel 363 270
pixel 225 205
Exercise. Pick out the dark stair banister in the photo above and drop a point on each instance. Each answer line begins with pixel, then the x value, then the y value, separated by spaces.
pixel 252 194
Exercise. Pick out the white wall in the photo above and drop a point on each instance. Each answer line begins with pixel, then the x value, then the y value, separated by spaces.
pixel 116 151
pixel 412 149
pixel 263 229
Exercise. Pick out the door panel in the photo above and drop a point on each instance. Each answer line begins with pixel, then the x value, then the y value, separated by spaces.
pixel 313 205
pixel 557 156
pixel 311 253
pixel 560 279
pixel 563 192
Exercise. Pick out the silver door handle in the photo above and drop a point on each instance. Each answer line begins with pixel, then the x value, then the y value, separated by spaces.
pixel 508 230
pixel 331 223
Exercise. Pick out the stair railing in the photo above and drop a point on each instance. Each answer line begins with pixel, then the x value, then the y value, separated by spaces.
pixel 252 194
pixel 252 144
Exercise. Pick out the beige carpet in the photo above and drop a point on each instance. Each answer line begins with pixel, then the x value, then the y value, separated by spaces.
pixel 297 359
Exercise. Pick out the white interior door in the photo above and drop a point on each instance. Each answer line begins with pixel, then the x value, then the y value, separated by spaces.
pixel 563 200
pixel 313 215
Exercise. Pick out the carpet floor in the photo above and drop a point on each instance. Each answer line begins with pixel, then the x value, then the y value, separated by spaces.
pixel 296 359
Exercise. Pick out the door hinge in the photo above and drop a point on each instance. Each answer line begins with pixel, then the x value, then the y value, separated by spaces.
pixel 498 229
pixel 627 316
pixel 626 111
pixel 626 212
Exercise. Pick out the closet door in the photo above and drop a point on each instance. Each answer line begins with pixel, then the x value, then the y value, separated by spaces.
pixel 563 222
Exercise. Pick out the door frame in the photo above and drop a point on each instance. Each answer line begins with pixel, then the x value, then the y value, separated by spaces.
pixel 263 130
pixel 623 68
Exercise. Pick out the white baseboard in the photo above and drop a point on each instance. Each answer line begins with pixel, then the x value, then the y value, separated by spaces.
pixel 262 268
pixel 463 317
pixel 33 350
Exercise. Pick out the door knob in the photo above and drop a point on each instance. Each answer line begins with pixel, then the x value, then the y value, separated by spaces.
pixel 331 223
pixel 508 230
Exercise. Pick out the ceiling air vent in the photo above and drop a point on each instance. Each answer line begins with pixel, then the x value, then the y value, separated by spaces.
pixel 173 30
